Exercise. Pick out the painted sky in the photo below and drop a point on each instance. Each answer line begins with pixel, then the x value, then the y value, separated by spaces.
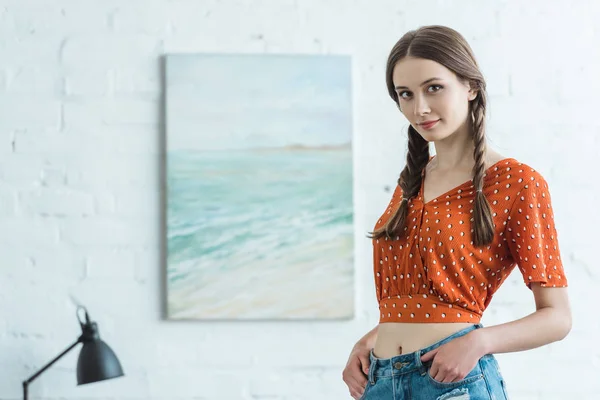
pixel 217 102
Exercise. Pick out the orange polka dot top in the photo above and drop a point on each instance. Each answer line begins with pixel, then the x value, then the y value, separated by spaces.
pixel 433 273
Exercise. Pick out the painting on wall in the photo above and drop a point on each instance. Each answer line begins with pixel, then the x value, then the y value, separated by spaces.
pixel 259 187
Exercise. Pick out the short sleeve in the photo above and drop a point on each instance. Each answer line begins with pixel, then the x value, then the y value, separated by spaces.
pixel 532 235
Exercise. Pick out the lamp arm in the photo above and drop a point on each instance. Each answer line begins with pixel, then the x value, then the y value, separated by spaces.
pixel 45 367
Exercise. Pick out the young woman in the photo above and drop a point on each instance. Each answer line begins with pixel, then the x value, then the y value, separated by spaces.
pixel 456 226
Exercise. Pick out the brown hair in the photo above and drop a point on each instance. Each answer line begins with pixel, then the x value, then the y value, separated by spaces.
pixel 450 49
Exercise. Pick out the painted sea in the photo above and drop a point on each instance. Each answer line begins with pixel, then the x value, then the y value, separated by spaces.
pixel 260 233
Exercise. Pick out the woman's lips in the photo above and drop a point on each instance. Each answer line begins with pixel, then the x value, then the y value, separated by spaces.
pixel 429 125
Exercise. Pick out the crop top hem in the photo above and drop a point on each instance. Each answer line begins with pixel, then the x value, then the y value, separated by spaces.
pixel 421 308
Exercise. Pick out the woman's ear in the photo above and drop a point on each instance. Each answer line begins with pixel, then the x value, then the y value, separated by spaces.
pixel 472 94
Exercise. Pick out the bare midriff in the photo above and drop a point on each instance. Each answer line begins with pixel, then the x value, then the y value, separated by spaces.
pixel 395 338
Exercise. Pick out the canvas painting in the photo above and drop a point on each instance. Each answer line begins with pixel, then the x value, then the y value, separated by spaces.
pixel 259 187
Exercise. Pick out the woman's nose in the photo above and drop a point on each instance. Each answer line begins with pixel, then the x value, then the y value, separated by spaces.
pixel 421 107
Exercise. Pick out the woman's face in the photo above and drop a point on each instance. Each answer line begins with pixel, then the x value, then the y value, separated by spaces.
pixel 428 91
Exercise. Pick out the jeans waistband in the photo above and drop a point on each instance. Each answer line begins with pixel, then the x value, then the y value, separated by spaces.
pixel 405 363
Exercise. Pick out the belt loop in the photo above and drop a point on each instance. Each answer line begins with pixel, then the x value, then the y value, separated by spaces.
pixel 419 363
pixel 372 366
pixel 418 356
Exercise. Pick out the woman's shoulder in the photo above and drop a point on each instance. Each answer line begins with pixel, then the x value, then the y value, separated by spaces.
pixel 521 175
pixel 525 170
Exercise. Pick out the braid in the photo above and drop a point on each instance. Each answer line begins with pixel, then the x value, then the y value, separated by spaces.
pixel 409 181
pixel 483 224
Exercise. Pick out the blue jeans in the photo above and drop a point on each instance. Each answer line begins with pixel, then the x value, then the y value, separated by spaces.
pixel 405 377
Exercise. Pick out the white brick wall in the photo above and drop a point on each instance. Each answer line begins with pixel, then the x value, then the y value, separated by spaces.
pixel 80 143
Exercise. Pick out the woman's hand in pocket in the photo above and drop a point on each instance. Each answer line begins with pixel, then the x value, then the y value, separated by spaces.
pixel 357 369
pixel 453 361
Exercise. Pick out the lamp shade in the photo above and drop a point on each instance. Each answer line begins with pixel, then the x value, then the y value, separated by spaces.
pixel 97 362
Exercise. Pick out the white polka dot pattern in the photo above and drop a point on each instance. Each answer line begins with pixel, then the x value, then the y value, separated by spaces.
pixel 434 273
pixel 532 235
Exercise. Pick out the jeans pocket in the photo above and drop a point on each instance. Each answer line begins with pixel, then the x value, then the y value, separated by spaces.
pixel 369 384
pixel 472 377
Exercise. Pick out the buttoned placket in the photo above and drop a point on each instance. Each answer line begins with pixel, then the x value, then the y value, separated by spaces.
pixel 418 206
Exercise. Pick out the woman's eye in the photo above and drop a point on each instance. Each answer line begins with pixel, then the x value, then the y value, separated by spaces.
pixel 438 87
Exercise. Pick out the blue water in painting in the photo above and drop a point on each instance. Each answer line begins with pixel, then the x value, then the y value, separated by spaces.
pixel 247 227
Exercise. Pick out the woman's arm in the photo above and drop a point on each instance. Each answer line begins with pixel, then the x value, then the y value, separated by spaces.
pixel 550 322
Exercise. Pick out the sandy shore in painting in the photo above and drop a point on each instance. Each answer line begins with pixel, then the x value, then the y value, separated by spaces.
pixel 315 281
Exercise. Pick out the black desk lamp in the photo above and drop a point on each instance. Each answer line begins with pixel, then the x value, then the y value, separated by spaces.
pixel 96 362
